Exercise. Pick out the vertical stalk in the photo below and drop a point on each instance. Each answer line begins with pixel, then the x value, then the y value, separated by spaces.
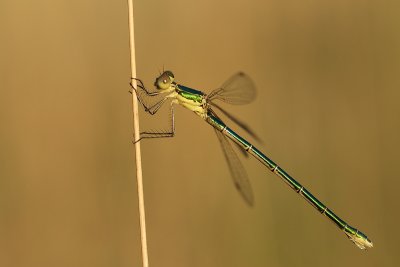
pixel 142 219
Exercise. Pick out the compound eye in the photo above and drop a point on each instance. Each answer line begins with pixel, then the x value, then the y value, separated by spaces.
pixel 165 80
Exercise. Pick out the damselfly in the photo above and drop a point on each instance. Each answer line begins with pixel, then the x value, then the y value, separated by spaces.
pixel 239 89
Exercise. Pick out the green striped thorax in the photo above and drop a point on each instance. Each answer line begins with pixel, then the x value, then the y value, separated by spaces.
pixel 166 81
pixel 190 94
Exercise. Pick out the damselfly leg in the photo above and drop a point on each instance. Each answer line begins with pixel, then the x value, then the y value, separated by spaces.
pixel 152 109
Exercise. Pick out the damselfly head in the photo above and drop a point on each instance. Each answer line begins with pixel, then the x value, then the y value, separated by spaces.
pixel 165 80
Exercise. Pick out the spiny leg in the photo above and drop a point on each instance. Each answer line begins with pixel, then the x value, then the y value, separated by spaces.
pixel 162 134
pixel 141 86
pixel 151 109
pixel 154 108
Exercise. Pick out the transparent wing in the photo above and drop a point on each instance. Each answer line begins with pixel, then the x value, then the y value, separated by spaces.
pixel 242 125
pixel 238 90
pixel 238 173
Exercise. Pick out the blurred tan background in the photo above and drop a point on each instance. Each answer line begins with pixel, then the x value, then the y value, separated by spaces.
pixel 328 79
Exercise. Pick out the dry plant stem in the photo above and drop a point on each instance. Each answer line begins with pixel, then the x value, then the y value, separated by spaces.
pixel 145 259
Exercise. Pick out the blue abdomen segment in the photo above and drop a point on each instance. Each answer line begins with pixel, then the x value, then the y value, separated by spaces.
pixel 356 236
